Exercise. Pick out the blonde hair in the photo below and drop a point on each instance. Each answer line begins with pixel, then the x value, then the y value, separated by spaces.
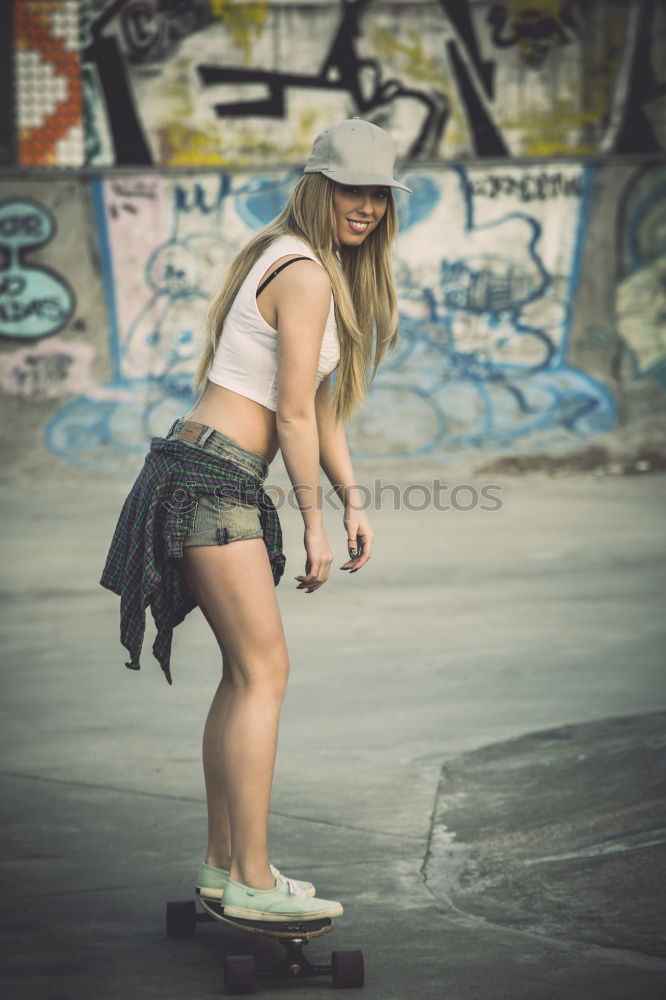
pixel 361 282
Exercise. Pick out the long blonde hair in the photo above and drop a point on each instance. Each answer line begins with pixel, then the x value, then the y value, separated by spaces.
pixel 361 281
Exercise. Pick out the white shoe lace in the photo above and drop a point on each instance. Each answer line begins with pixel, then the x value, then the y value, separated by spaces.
pixel 294 887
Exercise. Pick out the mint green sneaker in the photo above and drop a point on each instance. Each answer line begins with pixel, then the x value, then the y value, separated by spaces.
pixel 211 881
pixel 285 902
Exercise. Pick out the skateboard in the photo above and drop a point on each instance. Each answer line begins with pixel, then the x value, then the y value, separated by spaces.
pixel 240 971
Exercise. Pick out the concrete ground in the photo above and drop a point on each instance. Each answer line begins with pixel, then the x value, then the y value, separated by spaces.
pixel 471 755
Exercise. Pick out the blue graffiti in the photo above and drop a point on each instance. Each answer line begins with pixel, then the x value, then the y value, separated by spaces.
pixel 418 205
pixel 261 199
pixel 486 368
pixel 484 326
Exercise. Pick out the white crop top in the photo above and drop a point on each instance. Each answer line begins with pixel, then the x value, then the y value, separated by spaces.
pixel 246 355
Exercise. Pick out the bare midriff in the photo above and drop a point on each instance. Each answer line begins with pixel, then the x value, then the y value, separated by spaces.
pixel 249 423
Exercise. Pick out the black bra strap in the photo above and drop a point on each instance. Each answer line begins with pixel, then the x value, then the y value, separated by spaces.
pixel 277 271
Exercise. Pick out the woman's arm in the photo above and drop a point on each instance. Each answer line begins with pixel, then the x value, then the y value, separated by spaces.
pixel 302 298
pixel 333 449
pixel 303 302
pixel 336 463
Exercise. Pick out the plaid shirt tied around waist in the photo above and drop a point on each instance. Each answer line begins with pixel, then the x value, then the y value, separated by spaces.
pixel 155 520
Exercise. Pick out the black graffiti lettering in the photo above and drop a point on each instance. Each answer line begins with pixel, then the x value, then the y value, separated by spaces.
pixel 136 189
pixel 17 312
pixel 22 224
pixel 573 186
pixel 142 27
pixel 529 187
pixel 341 70
pixel 40 371
pixel 535 32
pixel 152 31
pixel 52 365
pixel 532 188
pixel 149 32
pixel 478 186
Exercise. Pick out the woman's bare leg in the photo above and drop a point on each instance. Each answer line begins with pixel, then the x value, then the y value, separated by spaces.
pixel 218 853
pixel 234 587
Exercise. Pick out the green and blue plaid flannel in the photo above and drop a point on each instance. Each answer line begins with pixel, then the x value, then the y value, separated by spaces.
pixel 153 524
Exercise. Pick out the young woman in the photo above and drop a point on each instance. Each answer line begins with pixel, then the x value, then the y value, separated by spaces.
pixel 301 300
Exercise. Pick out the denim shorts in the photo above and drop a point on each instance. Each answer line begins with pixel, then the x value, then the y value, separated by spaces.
pixel 221 519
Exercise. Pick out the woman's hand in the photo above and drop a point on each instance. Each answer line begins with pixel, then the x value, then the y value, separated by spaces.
pixel 318 561
pixel 360 538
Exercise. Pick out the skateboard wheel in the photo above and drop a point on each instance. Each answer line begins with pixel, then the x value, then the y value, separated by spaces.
pixel 347 968
pixel 181 919
pixel 240 974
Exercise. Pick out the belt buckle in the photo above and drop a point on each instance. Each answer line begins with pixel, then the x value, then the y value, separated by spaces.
pixel 190 431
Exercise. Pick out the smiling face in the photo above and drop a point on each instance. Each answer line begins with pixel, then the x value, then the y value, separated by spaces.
pixel 358 210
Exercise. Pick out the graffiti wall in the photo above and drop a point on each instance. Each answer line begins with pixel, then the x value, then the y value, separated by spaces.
pixel 231 83
pixel 511 338
pixel 143 141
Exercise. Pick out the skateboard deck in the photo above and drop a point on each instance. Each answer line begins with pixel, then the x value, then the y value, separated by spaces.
pixel 302 930
pixel 240 971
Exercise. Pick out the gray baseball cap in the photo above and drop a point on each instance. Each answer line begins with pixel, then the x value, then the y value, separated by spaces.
pixel 354 151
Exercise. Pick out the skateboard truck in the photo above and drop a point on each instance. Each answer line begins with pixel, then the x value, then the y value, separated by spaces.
pixel 240 971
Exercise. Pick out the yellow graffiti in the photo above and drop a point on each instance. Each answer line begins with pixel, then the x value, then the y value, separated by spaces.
pixel 181 146
pixel 415 62
pixel 519 8
pixel 545 131
pixel 305 128
pixel 242 20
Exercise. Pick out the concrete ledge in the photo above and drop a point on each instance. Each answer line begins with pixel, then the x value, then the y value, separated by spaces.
pixel 560 832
